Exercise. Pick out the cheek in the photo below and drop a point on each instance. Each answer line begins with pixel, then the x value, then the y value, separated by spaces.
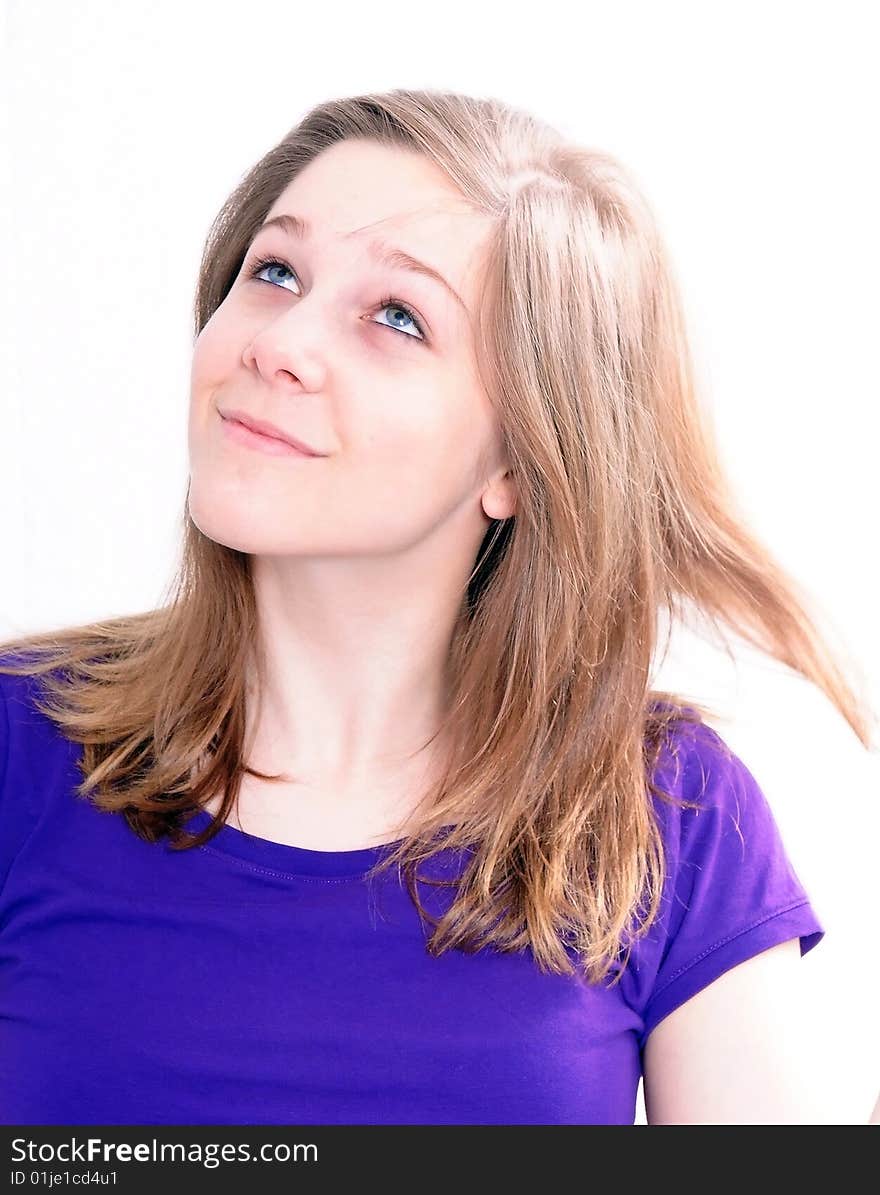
pixel 422 445
pixel 214 356
pixel 420 417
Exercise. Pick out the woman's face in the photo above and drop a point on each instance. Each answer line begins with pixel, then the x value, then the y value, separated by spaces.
pixel 312 345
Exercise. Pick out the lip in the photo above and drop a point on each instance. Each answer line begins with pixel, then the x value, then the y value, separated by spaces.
pixel 267 431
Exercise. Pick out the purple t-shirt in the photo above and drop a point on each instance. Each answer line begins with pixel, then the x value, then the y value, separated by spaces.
pixel 251 982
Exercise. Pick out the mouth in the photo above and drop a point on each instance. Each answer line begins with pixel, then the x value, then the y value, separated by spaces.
pixel 265 437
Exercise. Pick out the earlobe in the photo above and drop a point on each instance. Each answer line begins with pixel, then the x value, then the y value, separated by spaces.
pixel 499 500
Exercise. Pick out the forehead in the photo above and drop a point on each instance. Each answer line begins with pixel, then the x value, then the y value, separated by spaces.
pixel 356 192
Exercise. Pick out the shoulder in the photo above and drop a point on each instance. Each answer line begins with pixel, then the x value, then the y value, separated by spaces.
pixel 35 761
pixel 22 723
pixel 730 890
pixel 718 970
pixel 718 816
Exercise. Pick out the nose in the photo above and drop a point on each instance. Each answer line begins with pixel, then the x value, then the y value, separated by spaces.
pixel 281 354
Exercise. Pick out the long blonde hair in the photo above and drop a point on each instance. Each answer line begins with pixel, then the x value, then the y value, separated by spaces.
pixel 623 512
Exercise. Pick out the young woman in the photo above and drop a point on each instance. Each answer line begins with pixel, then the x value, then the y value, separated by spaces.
pixel 379 819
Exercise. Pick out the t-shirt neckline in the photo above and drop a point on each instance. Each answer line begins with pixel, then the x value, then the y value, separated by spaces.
pixel 281 856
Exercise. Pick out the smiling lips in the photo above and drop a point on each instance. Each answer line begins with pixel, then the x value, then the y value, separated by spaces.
pixel 257 433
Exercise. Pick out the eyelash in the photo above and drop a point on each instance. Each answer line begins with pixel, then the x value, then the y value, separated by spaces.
pixel 258 264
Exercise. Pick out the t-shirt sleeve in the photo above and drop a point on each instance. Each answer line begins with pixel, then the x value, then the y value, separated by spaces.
pixel 731 890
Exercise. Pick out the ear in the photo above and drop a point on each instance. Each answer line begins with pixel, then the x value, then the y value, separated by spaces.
pixel 499 497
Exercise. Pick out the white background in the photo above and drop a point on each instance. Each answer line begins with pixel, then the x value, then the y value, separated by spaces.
pixel 752 130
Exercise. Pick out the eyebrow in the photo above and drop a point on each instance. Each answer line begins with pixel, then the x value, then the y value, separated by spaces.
pixel 388 255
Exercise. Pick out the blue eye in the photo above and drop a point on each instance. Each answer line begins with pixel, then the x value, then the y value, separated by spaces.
pixel 259 264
